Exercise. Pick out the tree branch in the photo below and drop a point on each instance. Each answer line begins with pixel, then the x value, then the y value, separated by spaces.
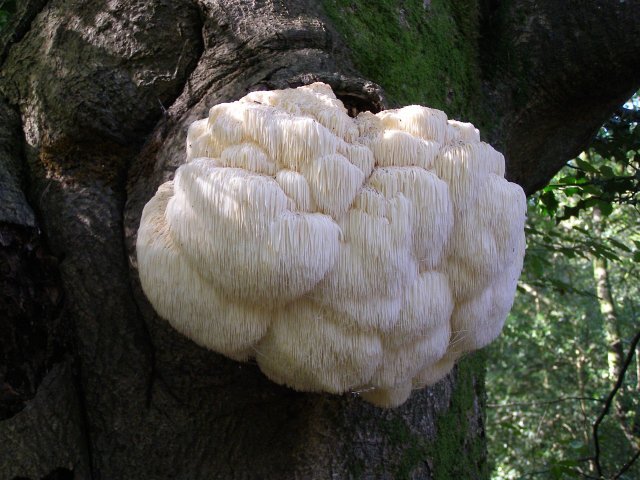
pixel 627 465
pixel 535 294
pixel 544 402
pixel 609 401
pixel 629 114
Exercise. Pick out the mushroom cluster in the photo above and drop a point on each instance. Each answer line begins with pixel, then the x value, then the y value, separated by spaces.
pixel 342 254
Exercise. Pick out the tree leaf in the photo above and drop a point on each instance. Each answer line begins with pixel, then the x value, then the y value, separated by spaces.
pixel 618 244
pixel 606 171
pixel 586 166
pixel 550 201
pixel 605 207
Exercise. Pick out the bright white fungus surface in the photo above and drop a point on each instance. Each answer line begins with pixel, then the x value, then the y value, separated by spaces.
pixel 342 254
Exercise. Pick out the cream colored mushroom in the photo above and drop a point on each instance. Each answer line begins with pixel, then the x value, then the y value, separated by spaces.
pixel 343 255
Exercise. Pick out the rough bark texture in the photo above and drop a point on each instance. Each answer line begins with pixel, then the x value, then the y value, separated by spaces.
pixel 555 72
pixel 95 101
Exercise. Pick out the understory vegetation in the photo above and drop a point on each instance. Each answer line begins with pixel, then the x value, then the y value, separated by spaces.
pixel 564 378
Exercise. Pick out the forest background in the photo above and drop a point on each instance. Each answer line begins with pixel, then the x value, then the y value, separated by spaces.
pixel 563 385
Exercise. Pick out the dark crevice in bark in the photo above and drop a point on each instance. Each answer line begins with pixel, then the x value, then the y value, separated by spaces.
pixel 356 104
pixel 84 421
pixel 60 474
pixel 34 331
pixel 357 94
pixel 15 207
pixel 36 340
pixel 57 474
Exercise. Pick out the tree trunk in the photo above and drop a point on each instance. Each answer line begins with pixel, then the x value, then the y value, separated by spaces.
pixel 615 353
pixel 638 369
pixel 95 99
pixel 615 350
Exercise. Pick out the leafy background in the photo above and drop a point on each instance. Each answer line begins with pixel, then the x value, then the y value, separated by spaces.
pixel 560 355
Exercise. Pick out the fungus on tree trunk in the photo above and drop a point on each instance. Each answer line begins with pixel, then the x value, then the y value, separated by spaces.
pixel 343 254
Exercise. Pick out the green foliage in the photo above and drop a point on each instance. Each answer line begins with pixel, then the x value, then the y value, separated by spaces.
pixel 548 373
pixel 607 173
pixel 550 366
pixel 419 52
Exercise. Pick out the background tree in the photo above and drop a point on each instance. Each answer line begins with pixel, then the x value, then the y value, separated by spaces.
pixel 95 98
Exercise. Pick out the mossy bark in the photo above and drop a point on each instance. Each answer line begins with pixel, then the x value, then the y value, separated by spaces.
pixel 95 100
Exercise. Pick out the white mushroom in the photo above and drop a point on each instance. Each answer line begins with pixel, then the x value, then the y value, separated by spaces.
pixel 343 254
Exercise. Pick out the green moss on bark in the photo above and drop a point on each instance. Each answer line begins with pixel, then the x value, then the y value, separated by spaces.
pixel 413 450
pixel 459 452
pixel 460 449
pixel 420 52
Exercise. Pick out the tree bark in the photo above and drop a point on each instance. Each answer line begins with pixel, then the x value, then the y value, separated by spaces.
pixel 95 99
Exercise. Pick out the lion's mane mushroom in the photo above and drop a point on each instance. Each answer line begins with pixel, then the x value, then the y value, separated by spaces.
pixel 342 254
